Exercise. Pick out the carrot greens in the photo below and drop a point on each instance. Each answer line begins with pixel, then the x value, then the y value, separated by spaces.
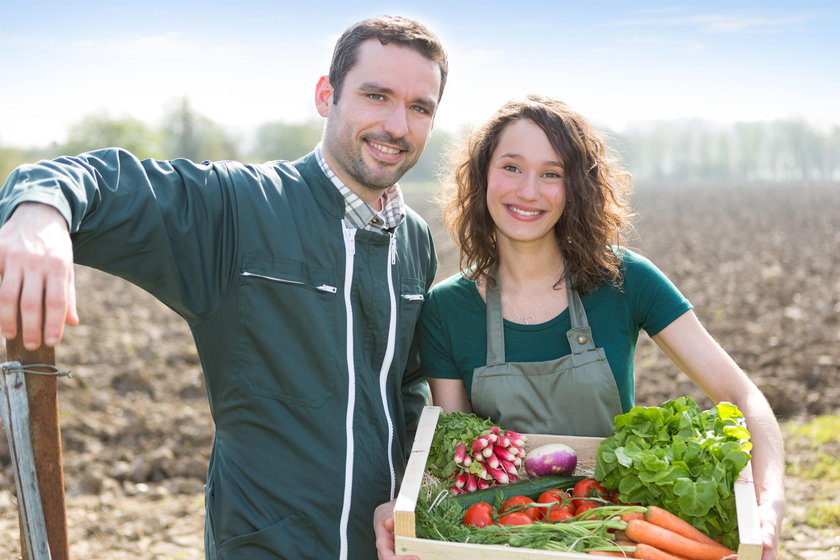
pixel 439 517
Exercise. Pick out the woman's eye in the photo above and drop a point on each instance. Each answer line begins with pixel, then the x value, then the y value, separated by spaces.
pixel 511 168
pixel 553 175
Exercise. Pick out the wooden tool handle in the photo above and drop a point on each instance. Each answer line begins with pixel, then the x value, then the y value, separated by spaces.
pixel 46 443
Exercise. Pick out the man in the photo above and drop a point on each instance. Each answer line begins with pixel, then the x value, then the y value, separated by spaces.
pixel 301 282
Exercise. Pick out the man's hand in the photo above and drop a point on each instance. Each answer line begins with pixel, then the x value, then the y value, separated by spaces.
pixel 36 266
pixel 383 527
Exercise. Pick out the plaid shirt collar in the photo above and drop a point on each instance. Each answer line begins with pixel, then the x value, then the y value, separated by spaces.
pixel 358 213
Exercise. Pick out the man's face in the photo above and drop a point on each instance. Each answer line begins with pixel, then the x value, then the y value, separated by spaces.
pixel 384 115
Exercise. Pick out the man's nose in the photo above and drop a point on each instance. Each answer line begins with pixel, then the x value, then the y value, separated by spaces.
pixel 396 122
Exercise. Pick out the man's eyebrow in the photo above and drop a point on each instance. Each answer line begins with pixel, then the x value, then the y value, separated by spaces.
pixel 374 87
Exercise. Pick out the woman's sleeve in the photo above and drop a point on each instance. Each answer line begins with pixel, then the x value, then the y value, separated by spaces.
pixel 436 357
pixel 658 301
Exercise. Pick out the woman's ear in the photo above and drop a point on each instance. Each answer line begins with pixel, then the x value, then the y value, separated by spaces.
pixel 323 96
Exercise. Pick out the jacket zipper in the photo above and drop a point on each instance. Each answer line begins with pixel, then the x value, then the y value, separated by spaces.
pixel 389 357
pixel 322 288
pixel 349 257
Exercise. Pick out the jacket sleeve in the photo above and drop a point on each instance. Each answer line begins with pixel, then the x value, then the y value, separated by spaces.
pixel 163 225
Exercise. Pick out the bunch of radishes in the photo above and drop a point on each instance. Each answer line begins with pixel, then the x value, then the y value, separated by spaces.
pixel 491 458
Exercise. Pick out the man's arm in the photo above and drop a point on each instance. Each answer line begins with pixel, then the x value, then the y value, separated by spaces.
pixel 36 265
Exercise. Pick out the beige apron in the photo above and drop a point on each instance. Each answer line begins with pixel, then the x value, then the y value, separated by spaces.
pixel 572 395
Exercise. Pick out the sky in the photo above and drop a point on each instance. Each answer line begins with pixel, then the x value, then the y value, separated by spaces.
pixel 245 63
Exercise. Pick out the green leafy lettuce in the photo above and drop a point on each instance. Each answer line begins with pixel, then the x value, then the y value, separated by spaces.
pixel 680 458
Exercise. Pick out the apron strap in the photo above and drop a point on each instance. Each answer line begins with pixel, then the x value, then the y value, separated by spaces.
pixel 580 335
pixel 495 324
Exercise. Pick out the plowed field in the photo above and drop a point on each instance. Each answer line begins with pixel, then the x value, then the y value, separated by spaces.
pixel 760 264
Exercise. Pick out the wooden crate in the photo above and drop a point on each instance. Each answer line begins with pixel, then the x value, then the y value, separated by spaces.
pixel 404 519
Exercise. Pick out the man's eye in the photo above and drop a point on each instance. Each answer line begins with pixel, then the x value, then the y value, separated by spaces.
pixel 419 109
pixel 376 96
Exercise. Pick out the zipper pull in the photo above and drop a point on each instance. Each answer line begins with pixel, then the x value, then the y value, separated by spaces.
pixel 393 248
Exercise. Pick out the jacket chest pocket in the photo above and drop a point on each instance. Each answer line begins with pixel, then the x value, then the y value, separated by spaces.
pixel 410 300
pixel 289 342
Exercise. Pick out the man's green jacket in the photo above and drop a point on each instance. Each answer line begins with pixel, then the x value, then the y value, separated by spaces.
pixel 304 327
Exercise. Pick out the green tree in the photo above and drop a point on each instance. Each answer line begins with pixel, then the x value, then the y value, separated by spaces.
pixel 278 140
pixel 101 131
pixel 187 134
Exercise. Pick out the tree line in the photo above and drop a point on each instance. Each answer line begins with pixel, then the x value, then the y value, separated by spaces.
pixel 674 152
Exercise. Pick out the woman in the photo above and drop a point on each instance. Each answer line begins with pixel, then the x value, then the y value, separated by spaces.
pixel 539 330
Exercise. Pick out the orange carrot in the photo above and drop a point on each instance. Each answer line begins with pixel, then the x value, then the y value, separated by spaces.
pixel 668 520
pixel 626 517
pixel 646 532
pixel 606 553
pixel 647 552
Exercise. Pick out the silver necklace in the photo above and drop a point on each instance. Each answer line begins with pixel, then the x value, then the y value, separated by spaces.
pixel 528 318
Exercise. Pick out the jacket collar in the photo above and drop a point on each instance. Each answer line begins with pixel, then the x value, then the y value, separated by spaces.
pixel 325 193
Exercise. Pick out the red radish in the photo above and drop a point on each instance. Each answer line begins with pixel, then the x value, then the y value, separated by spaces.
pixel 551 458
pixel 499 475
pixel 503 453
pixel 479 443
pixel 508 466
pixel 472 483
pixel 460 454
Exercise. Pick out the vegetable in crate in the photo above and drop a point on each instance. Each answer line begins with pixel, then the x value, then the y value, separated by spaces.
pixel 551 458
pixel 471 453
pixel 679 458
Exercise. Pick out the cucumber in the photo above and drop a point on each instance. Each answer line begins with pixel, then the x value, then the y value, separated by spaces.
pixel 532 488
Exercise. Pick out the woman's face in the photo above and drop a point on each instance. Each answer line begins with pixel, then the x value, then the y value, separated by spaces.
pixel 525 189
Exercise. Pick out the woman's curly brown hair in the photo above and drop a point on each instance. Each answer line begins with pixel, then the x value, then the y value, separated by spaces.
pixel 597 192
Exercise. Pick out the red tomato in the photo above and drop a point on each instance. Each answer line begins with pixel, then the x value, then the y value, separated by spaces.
pixel 517 504
pixel 586 489
pixel 516 518
pixel 555 496
pixel 589 487
pixel 479 515
pixel 586 506
pixel 560 514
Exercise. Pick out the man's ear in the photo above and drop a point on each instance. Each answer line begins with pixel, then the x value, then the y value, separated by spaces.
pixel 323 96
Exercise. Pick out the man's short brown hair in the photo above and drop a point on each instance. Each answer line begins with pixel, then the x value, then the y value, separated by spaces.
pixel 387 29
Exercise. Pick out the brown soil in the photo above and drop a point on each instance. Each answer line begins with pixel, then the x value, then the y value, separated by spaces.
pixel 759 263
